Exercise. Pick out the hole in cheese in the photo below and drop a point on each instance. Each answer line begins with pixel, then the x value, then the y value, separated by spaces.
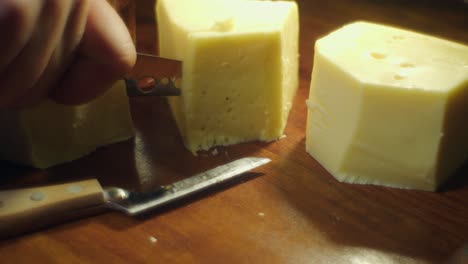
pixel 378 55
pixel 406 65
pixel 398 77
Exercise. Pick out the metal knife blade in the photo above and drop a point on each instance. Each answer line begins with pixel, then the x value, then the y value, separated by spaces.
pixel 134 203
pixel 24 210
pixel 154 76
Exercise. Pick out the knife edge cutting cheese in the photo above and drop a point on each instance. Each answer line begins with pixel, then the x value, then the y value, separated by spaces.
pixel 51 133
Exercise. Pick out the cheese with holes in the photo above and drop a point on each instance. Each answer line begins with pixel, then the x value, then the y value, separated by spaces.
pixel 51 133
pixel 388 106
pixel 240 68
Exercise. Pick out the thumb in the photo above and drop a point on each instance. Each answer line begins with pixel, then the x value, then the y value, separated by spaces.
pixel 106 53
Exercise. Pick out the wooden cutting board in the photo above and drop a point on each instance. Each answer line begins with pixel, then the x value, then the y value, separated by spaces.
pixel 289 211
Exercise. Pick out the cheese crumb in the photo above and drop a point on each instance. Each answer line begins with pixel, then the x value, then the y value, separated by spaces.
pixel 152 239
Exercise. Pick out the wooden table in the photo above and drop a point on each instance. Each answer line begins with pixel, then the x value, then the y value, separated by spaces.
pixel 289 211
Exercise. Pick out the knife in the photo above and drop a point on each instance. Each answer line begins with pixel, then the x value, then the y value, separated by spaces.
pixel 154 76
pixel 23 210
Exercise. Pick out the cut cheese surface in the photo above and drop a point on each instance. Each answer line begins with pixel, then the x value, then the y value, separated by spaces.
pixel 388 106
pixel 51 133
pixel 240 68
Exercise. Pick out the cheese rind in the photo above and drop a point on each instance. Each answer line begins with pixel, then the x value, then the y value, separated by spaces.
pixel 388 106
pixel 51 133
pixel 240 68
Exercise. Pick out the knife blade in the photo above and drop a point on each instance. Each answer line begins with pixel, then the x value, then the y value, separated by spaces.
pixel 24 210
pixel 154 76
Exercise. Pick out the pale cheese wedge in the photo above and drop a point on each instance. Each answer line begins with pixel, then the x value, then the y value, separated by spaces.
pixel 388 106
pixel 51 133
pixel 240 68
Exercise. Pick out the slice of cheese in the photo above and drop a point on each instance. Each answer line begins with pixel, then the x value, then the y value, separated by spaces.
pixel 240 68
pixel 52 133
pixel 388 106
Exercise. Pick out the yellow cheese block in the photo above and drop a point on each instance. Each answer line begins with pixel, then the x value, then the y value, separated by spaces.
pixel 240 68
pixel 388 106
pixel 52 133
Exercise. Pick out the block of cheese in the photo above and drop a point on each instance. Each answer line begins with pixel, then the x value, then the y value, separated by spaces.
pixel 388 106
pixel 51 133
pixel 240 68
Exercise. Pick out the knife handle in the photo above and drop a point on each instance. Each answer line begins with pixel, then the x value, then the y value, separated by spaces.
pixel 23 210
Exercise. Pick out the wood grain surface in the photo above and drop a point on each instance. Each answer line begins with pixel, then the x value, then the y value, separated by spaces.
pixel 288 211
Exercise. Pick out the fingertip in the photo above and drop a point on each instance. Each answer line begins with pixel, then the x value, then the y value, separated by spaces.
pixel 107 39
pixel 106 54
pixel 126 60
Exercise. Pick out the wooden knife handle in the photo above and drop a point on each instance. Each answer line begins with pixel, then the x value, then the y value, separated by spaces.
pixel 24 210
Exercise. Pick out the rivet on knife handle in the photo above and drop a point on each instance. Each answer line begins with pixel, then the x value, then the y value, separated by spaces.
pixel 150 86
pixel 154 76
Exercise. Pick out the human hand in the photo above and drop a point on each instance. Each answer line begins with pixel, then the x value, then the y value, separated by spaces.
pixel 69 50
